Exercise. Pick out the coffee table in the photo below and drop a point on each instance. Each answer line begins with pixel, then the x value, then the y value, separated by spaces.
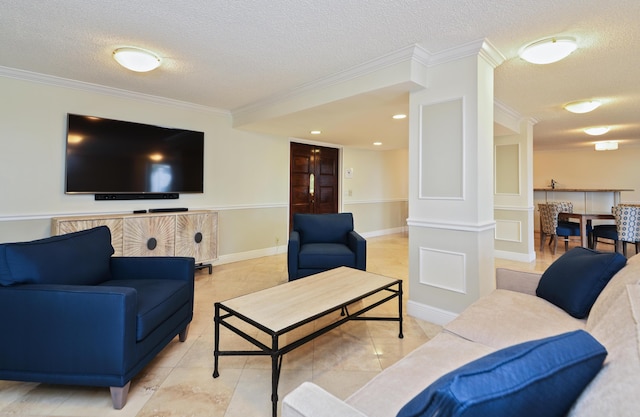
pixel 281 309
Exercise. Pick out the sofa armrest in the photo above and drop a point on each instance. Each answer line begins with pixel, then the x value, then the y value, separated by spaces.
pixel 359 246
pixel 293 249
pixel 152 267
pixel 519 281
pixel 67 328
pixel 309 400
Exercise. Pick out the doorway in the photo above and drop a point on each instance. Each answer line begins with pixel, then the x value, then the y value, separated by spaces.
pixel 313 180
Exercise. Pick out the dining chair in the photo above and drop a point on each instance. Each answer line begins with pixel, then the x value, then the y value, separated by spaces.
pixel 628 225
pixel 552 227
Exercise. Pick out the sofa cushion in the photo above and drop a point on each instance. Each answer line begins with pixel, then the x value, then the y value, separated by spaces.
pixel 504 318
pixel 630 274
pixel 615 391
pixel 79 258
pixel 323 228
pixel 390 390
pixel 326 256
pixel 536 378
pixel 158 299
pixel 574 281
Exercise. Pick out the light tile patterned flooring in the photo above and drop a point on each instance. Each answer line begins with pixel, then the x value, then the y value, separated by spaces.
pixel 179 382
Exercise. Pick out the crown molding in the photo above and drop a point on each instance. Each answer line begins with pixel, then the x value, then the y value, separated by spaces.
pixel 414 53
pixel 101 89
pixel 481 47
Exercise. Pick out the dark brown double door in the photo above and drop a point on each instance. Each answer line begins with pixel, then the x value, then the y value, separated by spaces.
pixel 313 179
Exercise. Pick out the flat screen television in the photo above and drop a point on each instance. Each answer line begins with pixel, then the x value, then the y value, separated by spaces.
pixel 121 158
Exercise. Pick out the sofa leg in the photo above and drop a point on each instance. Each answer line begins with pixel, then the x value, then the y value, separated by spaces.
pixel 182 336
pixel 119 395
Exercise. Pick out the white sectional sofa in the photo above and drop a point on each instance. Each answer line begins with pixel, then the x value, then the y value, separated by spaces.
pixel 510 315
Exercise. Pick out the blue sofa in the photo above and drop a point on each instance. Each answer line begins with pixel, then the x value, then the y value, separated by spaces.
pixel 74 314
pixel 319 242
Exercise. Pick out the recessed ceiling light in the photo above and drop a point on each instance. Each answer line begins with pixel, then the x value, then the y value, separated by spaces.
pixel 607 146
pixel 597 131
pixel 399 116
pixel 136 59
pixel 548 51
pixel 377 143
pixel 315 132
pixel 584 106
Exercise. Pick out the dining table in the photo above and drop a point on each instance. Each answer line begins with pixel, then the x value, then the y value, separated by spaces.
pixel 585 222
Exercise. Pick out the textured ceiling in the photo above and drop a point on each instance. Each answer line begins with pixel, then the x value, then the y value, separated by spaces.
pixel 231 54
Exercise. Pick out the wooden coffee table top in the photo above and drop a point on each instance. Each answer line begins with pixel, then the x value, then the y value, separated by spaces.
pixel 288 304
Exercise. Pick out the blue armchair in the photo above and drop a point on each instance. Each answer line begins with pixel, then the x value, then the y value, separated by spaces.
pixel 319 242
pixel 73 314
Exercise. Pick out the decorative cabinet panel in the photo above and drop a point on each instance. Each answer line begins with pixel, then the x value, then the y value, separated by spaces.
pixel 193 233
pixel 196 235
pixel 150 236
pixel 62 225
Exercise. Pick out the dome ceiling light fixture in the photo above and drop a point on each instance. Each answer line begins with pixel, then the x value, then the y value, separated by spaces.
pixel 137 59
pixel 597 131
pixel 583 106
pixel 548 51
pixel 607 146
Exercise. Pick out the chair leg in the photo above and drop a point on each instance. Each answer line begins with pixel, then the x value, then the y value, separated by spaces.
pixel 566 243
pixel 624 248
pixel 119 395
pixel 542 238
pixel 555 241
pixel 182 336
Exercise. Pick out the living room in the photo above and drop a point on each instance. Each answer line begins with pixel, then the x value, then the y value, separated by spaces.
pixel 246 171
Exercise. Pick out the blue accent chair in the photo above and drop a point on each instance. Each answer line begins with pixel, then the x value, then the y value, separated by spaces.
pixel 319 242
pixel 74 314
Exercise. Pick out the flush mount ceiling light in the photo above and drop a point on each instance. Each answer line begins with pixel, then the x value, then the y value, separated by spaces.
pixel 315 132
pixel 584 106
pixel 377 143
pixel 136 59
pixel 548 51
pixel 597 131
pixel 399 116
pixel 607 146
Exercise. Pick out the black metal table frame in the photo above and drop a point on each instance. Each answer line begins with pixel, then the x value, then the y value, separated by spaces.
pixel 276 352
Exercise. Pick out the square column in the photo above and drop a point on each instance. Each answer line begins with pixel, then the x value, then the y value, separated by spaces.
pixel 451 210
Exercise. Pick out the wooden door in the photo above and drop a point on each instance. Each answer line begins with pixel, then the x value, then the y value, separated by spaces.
pixel 313 179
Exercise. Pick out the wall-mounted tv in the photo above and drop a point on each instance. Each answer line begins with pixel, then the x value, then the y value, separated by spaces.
pixel 121 159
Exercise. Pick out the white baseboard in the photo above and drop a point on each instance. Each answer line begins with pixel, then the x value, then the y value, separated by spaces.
pixel 243 256
pixel 384 232
pixel 428 313
pixel 276 250
pixel 513 256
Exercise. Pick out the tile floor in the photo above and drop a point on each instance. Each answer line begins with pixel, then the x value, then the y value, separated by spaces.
pixel 179 382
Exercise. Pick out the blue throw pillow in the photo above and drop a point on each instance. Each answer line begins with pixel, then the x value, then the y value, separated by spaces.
pixel 79 258
pixel 574 281
pixel 538 378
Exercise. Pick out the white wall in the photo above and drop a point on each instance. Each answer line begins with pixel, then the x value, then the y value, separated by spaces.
pixel 246 173
pixel 587 168
pixel 590 169
pixel 377 192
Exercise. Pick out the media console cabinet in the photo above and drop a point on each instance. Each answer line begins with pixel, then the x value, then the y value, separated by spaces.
pixel 186 233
